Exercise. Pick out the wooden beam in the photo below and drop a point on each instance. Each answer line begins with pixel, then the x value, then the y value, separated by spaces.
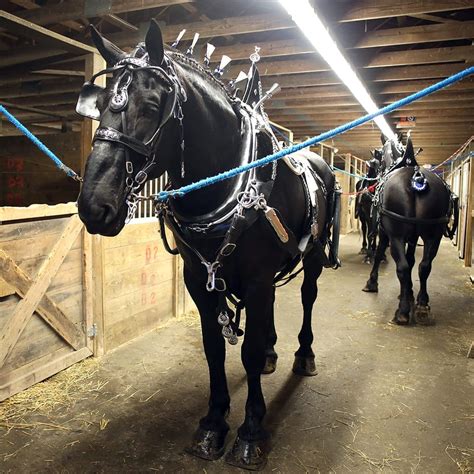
pixel 422 56
pixel 31 5
pixel 41 88
pixel 213 28
pixel 416 35
pixel 120 22
pixel 76 9
pixel 436 18
pixel 32 31
pixel 371 9
pixel 381 60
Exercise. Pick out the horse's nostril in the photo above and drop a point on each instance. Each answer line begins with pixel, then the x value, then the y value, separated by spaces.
pixel 108 214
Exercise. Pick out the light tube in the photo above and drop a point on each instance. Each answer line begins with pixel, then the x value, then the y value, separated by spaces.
pixel 313 28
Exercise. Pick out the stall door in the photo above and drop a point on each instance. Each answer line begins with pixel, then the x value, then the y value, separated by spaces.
pixel 42 322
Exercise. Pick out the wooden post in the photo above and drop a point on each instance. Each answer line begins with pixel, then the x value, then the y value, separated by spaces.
pixel 92 245
pixel 345 198
pixel 469 212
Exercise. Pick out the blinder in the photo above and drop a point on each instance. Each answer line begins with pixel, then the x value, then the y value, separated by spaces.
pixel 87 101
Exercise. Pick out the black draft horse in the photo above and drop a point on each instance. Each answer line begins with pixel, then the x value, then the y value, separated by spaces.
pixel 363 206
pixel 164 112
pixel 411 202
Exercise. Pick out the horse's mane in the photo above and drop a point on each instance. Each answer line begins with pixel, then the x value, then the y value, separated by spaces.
pixel 180 58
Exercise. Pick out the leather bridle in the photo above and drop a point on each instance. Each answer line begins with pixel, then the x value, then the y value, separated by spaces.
pixel 87 106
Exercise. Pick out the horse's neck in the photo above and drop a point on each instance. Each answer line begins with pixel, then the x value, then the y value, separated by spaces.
pixel 212 140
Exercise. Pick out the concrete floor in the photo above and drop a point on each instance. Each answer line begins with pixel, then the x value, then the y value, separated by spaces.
pixel 386 398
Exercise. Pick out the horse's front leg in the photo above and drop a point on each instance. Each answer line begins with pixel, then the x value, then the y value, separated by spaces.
pixel 271 356
pixel 250 448
pixel 304 363
pixel 209 438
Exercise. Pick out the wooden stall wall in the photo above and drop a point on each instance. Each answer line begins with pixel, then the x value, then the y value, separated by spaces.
pixel 138 282
pixel 43 324
pixel 461 180
pixel 351 165
pixel 28 176
pixel 66 295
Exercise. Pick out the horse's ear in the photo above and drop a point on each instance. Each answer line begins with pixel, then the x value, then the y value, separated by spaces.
pixel 154 44
pixel 409 151
pixel 372 153
pixel 111 53
pixel 383 139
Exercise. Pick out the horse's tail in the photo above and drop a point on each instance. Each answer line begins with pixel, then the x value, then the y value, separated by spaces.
pixel 451 230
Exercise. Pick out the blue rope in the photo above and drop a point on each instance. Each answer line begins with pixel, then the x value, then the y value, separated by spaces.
pixel 164 195
pixel 39 143
pixel 334 168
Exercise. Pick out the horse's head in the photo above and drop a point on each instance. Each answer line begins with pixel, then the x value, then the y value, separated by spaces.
pixel 374 164
pixel 139 100
pixel 391 151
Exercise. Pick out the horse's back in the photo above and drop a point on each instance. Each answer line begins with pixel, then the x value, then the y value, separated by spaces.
pixel 400 197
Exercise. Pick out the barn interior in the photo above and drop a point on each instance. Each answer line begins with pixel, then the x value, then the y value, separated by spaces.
pixel 88 308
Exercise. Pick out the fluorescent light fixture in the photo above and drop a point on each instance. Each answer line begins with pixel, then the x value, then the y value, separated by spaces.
pixel 313 28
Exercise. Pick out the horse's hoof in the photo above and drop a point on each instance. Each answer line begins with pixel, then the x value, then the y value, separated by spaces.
pixel 363 251
pixel 251 455
pixel 423 315
pixel 371 287
pixel 208 444
pixel 305 366
pixel 401 319
pixel 270 364
pixel 368 260
pixel 383 259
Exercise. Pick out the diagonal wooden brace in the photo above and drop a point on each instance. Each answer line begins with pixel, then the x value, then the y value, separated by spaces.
pixel 34 294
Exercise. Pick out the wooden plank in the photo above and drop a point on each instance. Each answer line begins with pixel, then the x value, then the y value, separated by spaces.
pixel 389 59
pixel 370 9
pixel 33 31
pixel 416 34
pixel 39 370
pixel 77 9
pixel 236 25
pixel 5 289
pixel 422 56
pixel 372 39
pixel 46 308
pixel 35 211
pixel 18 320
pixel 469 215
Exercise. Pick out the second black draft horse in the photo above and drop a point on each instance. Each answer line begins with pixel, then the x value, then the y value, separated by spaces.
pixel 162 111
pixel 412 203
pixel 363 206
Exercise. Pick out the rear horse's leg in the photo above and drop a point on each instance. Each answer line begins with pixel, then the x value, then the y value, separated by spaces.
pixel 209 439
pixel 422 309
pixel 404 261
pixel 372 285
pixel 250 448
pixel 304 363
pixel 363 225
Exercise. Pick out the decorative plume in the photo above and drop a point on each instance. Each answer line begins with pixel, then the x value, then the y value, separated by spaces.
pixel 209 50
pixel 178 38
pixel 190 50
pixel 220 69
pixel 239 78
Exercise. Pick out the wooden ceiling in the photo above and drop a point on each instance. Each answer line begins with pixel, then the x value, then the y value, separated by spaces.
pixel 397 47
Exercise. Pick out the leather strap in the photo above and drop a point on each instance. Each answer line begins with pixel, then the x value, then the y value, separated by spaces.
pixel 414 220
pixel 112 135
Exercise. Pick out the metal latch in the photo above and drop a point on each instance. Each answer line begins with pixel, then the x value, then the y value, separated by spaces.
pixel 92 331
